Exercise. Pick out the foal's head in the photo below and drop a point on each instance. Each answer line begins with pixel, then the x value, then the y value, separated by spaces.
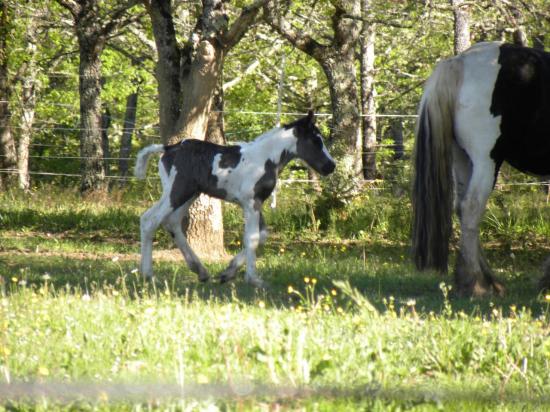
pixel 310 146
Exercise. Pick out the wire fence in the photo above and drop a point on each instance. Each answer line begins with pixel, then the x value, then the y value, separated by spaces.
pixel 142 131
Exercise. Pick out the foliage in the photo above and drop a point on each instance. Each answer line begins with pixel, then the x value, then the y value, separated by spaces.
pixel 411 37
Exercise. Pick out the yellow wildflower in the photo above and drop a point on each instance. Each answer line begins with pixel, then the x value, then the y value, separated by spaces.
pixel 43 371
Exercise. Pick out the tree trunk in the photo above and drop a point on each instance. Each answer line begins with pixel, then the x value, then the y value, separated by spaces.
pixel 92 165
pixel 8 154
pixel 368 95
pixel 28 103
pixel 461 25
pixel 342 80
pixel 396 131
pixel 127 132
pixel 105 146
pixel 168 67
pixel 29 86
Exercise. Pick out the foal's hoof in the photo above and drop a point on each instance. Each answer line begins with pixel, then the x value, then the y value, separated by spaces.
pixel 481 289
pixel 227 275
pixel 258 283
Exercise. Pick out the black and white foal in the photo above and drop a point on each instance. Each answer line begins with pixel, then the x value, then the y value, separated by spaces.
pixel 245 174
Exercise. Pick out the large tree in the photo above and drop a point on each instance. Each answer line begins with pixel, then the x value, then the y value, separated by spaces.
pixel 8 154
pixel 333 45
pixel 94 21
pixel 368 92
pixel 334 50
pixel 188 78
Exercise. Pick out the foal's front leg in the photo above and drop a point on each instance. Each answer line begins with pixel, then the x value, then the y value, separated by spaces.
pixel 239 260
pixel 173 225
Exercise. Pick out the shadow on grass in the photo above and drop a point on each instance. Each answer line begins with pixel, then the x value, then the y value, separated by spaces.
pixel 381 272
pixel 73 221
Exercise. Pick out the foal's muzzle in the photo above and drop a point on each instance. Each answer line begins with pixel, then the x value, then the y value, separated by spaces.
pixel 328 168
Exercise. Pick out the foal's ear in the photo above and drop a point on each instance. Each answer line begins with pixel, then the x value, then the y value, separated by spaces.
pixel 310 116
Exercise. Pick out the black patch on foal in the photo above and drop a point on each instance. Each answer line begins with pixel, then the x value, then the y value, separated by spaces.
pixel 522 97
pixel 193 160
pixel 265 185
pixel 231 158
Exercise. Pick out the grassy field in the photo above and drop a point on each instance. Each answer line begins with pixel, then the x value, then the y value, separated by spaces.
pixel 346 323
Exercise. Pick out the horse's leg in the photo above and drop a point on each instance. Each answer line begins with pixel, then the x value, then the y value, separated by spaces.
pixel 172 224
pixel 473 275
pixel 149 222
pixel 251 243
pixel 238 261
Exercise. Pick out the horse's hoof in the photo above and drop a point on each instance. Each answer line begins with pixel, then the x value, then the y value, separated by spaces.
pixel 498 288
pixel 258 283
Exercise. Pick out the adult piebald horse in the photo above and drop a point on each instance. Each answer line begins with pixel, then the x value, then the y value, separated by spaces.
pixel 485 106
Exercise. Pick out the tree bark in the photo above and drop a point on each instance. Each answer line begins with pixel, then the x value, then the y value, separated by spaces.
pixel 368 94
pixel 461 25
pixel 8 154
pixel 92 166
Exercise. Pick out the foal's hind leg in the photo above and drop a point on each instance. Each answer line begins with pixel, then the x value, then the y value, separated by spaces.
pixel 172 224
pixel 238 261
pixel 149 222
pixel 473 275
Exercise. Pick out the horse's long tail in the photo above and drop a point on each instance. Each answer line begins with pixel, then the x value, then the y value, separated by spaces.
pixel 142 158
pixel 432 197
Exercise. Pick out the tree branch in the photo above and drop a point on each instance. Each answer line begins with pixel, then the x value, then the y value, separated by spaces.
pixel 70 5
pixel 118 18
pixel 302 41
pixel 242 24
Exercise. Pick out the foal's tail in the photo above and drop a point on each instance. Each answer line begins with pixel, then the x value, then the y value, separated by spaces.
pixel 432 196
pixel 143 157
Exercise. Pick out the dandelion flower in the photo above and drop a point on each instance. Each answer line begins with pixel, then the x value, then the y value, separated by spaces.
pixel 333 292
pixel 313 281
pixel 14 279
pixel 290 289
pixel 261 304
pixel 306 279
pixel 43 371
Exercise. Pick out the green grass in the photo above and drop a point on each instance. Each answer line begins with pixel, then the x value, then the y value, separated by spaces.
pixel 346 323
